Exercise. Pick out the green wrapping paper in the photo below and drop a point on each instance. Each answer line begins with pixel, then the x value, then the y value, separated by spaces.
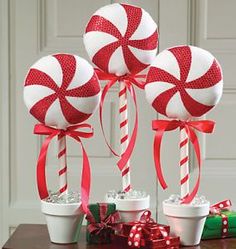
pixel 104 236
pixel 213 226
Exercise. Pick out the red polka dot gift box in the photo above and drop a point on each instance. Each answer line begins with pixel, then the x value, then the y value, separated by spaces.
pixel 145 233
pixel 221 223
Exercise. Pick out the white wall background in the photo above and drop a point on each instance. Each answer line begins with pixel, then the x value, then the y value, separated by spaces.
pixel 30 29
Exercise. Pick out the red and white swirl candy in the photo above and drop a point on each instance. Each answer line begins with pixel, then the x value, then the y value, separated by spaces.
pixel 184 82
pixel 121 39
pixel 61 90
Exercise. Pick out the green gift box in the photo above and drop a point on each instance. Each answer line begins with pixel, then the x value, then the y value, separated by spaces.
pixel 213 226
pixel 101 220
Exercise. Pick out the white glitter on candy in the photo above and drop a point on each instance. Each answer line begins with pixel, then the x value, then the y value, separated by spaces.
pixel 203 96
pixel 130 243
pixel 207 89
pixel 225 222
pixel 46 64
pixel 200 64
pixel 131 235
pixel 172 67
pixel 117 15
pixel 37 89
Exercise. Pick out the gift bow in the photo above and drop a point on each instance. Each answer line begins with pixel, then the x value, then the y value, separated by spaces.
pixel 129 80
pixel 109 221
pixel 161 126
pixel 139 229
pixel 75 133
pixel 220 206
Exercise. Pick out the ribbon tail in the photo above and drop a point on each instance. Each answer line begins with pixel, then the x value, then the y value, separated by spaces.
pixel 194 140
pixel 85 178
pixel 41 165
pixel 104 93
pixel 127 154
pixel 156 152
pixel 85 181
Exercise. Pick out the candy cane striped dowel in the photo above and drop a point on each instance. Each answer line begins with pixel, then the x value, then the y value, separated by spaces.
pixel 124 134
pixel 184 163
pixel 62 164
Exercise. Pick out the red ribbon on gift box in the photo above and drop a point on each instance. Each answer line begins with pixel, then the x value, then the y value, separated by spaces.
pixel 217 209
pixel 140 230
pixel 76 133
pixel 129 80
pixel 106 221
pixel 161 126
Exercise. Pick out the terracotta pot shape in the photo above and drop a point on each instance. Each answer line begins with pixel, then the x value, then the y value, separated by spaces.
pixel 64 221
pixel 186 221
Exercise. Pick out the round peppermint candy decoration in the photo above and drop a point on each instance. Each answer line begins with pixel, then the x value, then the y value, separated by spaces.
pixel 184 82
pixel 61 90
pixel 121 39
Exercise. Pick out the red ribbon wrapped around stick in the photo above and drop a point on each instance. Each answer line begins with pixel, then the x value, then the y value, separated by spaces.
pixel 75 133
pixel 216 209
pixel 161 126
pixel 106 221
pixel 129 81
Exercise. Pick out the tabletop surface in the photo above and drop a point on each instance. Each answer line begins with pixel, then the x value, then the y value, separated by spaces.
pixel 29 236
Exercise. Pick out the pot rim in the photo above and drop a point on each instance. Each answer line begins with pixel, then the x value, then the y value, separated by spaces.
pixel 186 210
pixel 130 204
pixel 60 209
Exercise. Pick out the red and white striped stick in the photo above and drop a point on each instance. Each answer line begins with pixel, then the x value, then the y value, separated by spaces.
pixel 184 163
pixel 62 164
pixel 124 134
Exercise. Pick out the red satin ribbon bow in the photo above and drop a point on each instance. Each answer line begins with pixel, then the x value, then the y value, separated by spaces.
pixel 138 231
pixel 217 209
pixel 129 80
pixel 161 126
pixel 75 133
pixel 106 222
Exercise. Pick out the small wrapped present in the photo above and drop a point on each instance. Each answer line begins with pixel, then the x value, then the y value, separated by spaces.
pixel 102 221
pixel 221 223
pixel 152 229
pixel 145 234
pixel 171 243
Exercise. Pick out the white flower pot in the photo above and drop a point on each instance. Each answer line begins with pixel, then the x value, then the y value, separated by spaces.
pixel 186 221
pixel 130 209
pixel 64 221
